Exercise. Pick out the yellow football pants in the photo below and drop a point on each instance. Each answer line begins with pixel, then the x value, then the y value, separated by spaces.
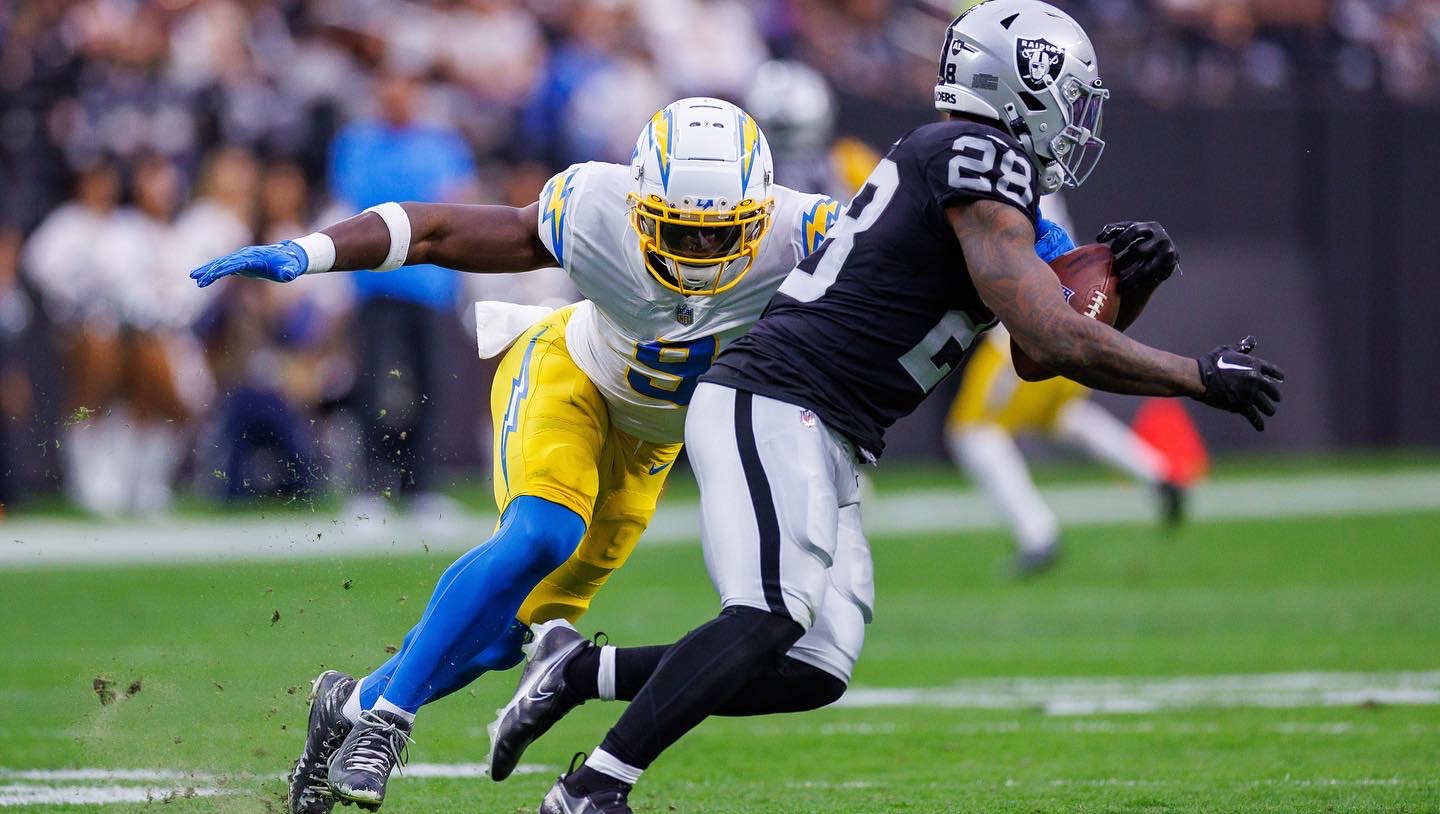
pixel 553 440
pixel 991 393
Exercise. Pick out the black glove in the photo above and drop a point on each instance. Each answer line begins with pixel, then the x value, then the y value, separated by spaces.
pixel 1236 381
pixel 1145 256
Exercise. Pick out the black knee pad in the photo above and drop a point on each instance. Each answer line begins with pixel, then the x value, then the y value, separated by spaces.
pixel 821 689
pixel 789 686
pixel 761 632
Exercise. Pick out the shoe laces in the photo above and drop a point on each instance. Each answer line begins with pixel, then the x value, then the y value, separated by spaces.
pixel 605 796
pixel 311 774
pixel 380 746
pixel 314 793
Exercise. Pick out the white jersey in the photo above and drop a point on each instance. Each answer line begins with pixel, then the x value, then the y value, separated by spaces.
pixel 643 345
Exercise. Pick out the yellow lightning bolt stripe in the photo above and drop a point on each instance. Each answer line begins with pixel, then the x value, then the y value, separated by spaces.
pixel 749 146
pixel 662 126
pixel 555 212
pixel 817 222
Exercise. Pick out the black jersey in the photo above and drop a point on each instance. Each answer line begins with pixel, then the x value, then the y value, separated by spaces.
pixel 864 328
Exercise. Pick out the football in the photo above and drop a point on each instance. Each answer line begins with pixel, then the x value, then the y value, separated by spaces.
pixel 1090 286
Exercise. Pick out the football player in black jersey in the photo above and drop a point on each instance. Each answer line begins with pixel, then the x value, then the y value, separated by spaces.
pixel 937 247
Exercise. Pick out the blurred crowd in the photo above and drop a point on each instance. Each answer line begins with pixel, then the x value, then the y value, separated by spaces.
pixel 1211 51
pixel 139 138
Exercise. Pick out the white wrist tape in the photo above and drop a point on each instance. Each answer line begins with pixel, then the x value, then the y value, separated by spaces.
pixel 320 249
pixel 399 225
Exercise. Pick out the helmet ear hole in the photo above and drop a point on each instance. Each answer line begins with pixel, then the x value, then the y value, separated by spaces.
pixel 1032 102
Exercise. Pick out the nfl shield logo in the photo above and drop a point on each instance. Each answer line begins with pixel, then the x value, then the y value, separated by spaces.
pixel 1039 62
pixel 684 314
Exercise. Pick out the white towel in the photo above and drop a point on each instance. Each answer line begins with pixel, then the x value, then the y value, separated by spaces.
pixel 498 324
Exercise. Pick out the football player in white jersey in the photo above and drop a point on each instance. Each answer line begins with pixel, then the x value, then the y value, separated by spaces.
pixel 676 255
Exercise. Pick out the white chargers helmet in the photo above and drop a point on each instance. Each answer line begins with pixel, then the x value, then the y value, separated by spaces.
pixel 702 198
pixel 1030 67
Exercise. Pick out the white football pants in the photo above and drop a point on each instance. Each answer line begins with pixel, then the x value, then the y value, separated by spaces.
pixel 780 519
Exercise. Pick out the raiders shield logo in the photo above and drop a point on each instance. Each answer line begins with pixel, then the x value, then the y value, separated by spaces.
pixel 1039 62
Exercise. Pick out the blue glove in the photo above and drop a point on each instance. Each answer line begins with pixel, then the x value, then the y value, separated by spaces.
pixel 1051 240
pixel 280 262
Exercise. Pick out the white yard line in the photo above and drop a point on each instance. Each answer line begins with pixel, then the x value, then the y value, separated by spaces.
pixel 28 795
pixel 58 542
pixel 1092 696
pixel 442 771
pixel 95 786
pixel 466 771
pixel 106 775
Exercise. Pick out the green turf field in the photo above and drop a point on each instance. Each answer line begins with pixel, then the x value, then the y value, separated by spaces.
pixel 220 682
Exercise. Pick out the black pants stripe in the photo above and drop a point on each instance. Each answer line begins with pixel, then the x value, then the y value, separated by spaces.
pixel 762 501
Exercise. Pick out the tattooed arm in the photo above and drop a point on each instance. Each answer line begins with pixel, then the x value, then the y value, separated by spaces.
pixel 457 236
pixel 999 245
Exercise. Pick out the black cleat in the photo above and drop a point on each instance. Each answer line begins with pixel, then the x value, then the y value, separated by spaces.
pixel 561 800
pixel 309 785
pixel 361 766
pixel 540 700
pixel 1034 562
pixel 1172 504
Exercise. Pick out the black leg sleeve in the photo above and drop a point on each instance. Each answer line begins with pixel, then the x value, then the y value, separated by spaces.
pixel 793 686
pixel 633 667
pixel 699 675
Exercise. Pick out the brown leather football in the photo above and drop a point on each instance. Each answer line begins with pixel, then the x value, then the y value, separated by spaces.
pixel 1090 286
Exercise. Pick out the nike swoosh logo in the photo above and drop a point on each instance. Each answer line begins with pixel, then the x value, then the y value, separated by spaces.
pixel 1224 365
pixel 535 693
pixel 655 470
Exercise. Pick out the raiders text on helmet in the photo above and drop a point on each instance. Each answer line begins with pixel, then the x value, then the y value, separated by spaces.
pixel 1031 68
pixel 702 199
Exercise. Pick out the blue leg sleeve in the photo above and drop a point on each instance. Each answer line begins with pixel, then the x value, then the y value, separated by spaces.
pixel 502 654
pixel 469 624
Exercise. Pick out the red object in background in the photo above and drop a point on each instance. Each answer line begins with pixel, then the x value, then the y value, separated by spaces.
pixel 1165 425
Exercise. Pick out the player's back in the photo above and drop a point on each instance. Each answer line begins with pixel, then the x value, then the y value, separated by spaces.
pixel 862 330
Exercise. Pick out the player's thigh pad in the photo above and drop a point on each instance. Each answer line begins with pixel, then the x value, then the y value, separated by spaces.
pixel 772 479
pixel 550 422
pixel 834 642
pixel 632 475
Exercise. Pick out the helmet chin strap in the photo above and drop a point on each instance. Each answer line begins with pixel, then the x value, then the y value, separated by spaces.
pixel 1051 178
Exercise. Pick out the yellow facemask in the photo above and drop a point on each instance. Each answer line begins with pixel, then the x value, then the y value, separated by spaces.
pixel 698 239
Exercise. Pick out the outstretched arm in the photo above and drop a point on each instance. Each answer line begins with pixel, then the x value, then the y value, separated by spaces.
pixel 999 245
pixel 476 239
